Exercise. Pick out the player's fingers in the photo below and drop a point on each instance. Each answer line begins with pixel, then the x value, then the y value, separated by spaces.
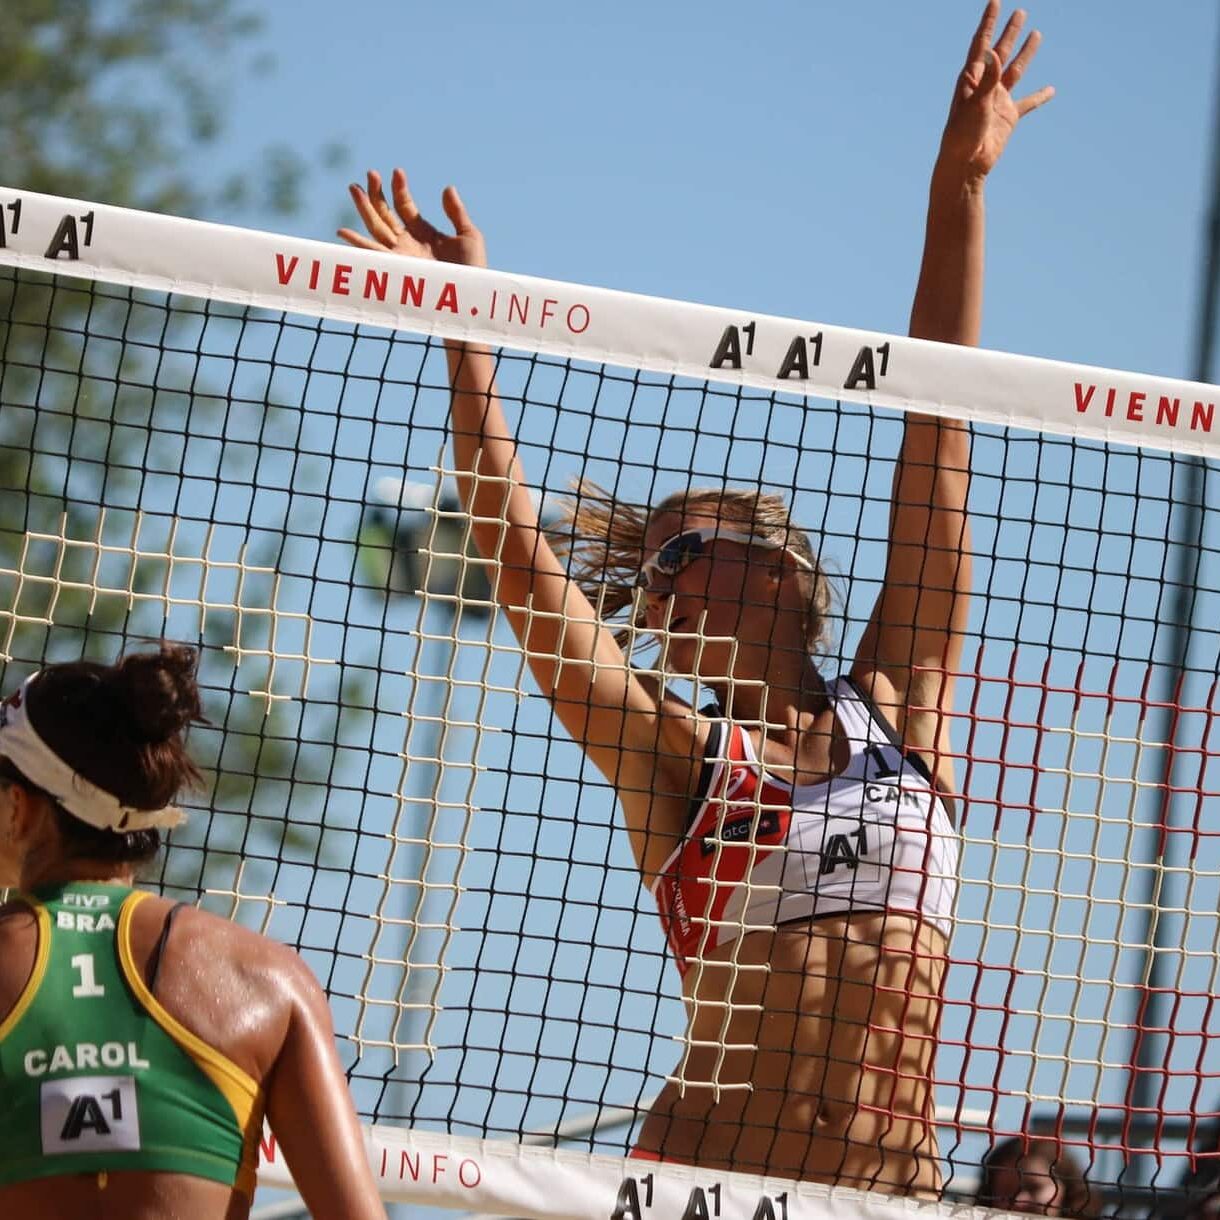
pixel 971 77
pixel 358 239
pixel 1016 69
pixel 408 210
pixel 378 229
pixel 455 209
pixel 1026 104
pixel 404 201
pixel 991 73
pixel 1008 39
pixel 378 200
pixel 982 36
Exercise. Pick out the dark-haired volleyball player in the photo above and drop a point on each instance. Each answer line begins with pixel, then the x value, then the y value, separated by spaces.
pixel 798 838
pixel 141 1043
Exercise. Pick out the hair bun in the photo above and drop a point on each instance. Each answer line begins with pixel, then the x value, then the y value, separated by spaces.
pixel 158 690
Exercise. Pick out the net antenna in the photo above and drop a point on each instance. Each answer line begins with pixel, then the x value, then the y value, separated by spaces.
pixel 240 439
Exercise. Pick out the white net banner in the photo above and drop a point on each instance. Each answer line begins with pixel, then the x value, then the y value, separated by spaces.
pixel 497 1178
pixel 168 254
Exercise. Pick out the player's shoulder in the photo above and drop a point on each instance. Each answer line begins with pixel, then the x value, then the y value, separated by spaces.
pixel 210 936
pixel 684 730
pixel 875 687
pixel 673 705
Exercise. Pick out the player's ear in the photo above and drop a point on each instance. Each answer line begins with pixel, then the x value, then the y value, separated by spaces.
pixel 24 807
pixel 19 814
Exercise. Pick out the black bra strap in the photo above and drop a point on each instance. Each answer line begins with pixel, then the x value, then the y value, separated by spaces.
pixel 159 951
pixel 717 745
pixel 892 733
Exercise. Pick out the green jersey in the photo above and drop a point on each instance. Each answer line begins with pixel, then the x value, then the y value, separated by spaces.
pixel 96 1076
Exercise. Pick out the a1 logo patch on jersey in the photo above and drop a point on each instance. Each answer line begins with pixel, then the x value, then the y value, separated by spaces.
pixel 90 1114
pixel 845 854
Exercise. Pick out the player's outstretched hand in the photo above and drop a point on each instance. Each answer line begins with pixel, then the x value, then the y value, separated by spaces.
pixel 402 230
pixel 984 112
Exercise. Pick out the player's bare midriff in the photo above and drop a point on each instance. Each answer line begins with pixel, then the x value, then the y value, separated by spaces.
pixel 809 1055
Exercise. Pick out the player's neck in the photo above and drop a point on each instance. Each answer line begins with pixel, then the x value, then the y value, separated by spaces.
pixel 784 693
pixel 41 876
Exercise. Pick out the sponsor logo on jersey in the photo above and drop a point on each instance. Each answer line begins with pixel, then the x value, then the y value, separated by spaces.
pixel 740 828
pixel 844 851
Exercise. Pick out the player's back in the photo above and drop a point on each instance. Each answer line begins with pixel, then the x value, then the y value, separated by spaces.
pixel 133 1059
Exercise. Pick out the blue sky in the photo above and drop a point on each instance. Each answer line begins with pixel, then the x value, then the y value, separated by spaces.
pixel 772 157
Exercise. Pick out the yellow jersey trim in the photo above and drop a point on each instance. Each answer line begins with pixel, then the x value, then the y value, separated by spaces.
pixel 41 956
pixel 241 1091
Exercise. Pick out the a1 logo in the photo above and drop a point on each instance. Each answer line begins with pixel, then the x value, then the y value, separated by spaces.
pixel 89 1114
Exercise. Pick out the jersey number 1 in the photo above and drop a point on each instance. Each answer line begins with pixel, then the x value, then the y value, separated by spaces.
pixel 88 985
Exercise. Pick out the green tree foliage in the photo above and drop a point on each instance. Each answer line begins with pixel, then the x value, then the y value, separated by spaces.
pixel 108 408
pixel 112 100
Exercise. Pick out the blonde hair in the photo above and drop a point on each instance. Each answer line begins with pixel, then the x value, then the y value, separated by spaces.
pixel 604 538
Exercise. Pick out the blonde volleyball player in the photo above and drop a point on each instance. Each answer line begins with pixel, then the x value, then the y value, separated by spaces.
pixel 798 838
pixel 141 1042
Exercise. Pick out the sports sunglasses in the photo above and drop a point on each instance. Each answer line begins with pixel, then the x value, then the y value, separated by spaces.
pixel 682 549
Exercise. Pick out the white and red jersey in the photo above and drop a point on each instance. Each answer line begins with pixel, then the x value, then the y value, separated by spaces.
pixel 759 852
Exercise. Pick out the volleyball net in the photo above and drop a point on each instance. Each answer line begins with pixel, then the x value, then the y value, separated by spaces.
pixel 240 440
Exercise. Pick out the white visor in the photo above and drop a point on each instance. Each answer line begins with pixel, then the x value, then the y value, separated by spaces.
pixel 22 746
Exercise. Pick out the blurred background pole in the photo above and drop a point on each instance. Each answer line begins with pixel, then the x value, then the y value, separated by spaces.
pixel 1149 1050
pixel 415 538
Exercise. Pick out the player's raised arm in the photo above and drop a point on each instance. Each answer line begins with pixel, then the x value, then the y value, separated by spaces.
pixel 913 643
pixel 574 658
